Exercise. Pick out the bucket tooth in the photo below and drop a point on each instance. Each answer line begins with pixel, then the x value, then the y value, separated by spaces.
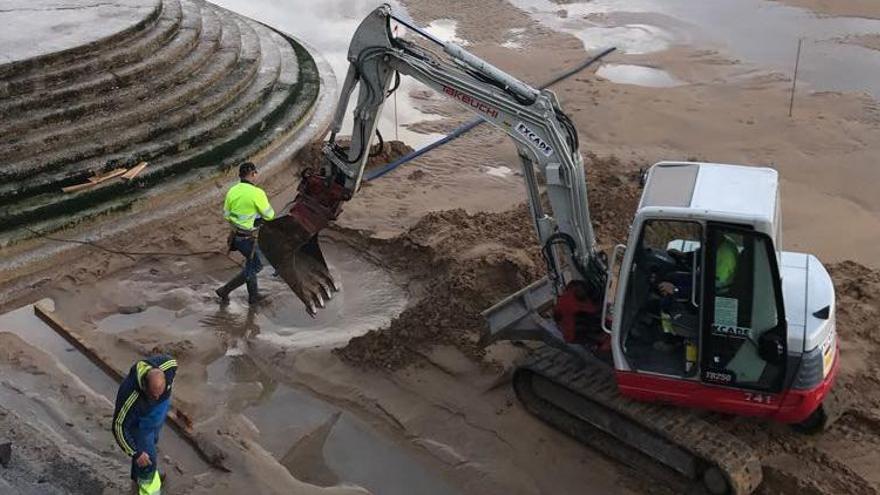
pixel 299 261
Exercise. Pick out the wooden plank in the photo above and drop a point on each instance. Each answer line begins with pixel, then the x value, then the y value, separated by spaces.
pixel 178 419
pixel 133 171
pixel 116 172
pixel 97 179
pixel 77 187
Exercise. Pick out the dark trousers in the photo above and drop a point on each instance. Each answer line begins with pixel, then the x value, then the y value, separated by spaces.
pixel 248 248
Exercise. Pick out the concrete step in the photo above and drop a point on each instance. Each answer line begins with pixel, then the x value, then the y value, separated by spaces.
pixel 115 55
pixel 60 139
pixel 158 81
pixel 287 107
pixel 231 69
pixel 48 137
pixel 175 139
pixel 51 60
pixel 98 81
pixel 228 88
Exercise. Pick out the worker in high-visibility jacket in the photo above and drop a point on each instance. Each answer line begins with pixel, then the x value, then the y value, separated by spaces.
pixel 142 404
pixel 726 259
pixel 245 208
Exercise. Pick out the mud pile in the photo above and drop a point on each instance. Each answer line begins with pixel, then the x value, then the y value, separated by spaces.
pixel 465 263
pixel 311 155
pixel 858 301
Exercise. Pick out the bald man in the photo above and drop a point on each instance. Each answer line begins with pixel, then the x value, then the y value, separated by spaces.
pixel 142 403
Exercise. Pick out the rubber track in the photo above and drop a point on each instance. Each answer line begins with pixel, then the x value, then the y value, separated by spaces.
pixel 594 381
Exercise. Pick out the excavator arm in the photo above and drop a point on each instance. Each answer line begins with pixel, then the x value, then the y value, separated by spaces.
pixel 545 138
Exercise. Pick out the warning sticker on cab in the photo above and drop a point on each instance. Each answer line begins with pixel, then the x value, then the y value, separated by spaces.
pixel 828 353
pixel 726 310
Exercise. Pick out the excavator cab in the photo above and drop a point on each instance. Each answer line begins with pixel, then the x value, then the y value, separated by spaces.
pixel 708 312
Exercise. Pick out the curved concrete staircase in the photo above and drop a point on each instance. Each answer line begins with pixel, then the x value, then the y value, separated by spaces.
pixel 190 88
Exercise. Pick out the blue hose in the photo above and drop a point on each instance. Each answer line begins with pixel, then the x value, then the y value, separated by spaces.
pixel 375 174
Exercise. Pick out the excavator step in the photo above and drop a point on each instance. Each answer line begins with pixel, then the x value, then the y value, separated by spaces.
pixel 578 395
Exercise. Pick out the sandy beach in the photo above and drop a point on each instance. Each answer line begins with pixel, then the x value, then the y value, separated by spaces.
pixel 394 375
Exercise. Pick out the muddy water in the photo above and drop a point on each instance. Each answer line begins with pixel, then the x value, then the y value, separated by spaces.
pixel 285 417
pixel 757 32
pixel 25 324
pixel 352 451
pixel 446 29
pixel 328 26
pixel 638 75
pixel 368 300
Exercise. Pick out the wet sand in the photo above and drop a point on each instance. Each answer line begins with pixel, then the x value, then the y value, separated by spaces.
pixel 853 8
pixel 419 386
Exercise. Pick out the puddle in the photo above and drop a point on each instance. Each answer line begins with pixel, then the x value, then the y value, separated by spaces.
pixel 757 32
pixel 499 171
pixel 328 26
pixel 576 19
pixel 350 451
pixel 445 29
pixel 387 470
pixel 515 39
pixel 25 324
pixel 368 299
pixel 638 75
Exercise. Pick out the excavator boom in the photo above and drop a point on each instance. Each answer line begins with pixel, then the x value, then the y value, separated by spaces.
pixel 546 141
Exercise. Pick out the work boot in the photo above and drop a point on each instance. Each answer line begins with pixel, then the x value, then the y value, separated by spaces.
pixel 223 292
pixel 254 296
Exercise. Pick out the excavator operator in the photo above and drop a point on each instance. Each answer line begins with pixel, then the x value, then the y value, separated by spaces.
pixel 245 208
pixel 674 288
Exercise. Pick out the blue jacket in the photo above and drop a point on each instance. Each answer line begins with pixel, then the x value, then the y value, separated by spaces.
pixel 136 419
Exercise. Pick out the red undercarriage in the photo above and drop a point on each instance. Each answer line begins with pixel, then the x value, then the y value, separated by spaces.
pixel 578 318
pixel 790 406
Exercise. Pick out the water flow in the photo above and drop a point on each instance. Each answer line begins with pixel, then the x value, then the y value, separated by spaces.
pixel 757 32
pixel 25 324
pixel 328 26
pixel 352 451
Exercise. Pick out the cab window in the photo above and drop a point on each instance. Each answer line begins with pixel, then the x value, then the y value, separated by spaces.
pixel 661 321
pixel 743 334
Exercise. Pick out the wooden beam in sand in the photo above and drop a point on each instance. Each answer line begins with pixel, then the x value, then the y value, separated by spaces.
pixel 178 420
pixel 77 187
pixel 99 178
pixel 134 171
pixel 95 180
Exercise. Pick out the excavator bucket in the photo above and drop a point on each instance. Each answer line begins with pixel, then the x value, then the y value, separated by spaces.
pixel 290 242
pixel 296 256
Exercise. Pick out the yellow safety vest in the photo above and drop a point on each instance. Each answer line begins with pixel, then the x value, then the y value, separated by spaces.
pixel 245 203
pixel 725 264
